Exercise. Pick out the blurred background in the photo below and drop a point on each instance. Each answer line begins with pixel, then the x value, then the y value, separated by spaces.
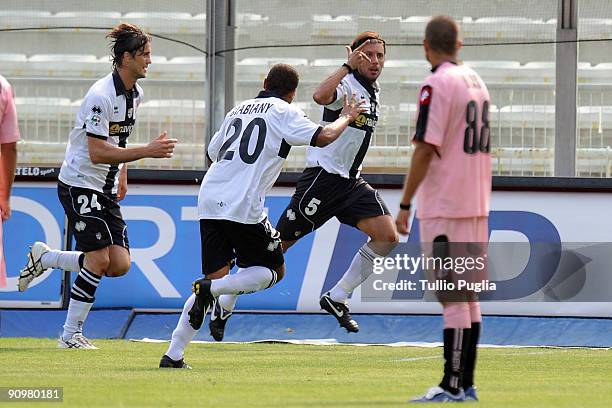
pixel 52 51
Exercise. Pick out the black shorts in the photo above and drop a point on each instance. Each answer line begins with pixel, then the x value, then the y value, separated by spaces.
pixel 249 244
pixel 95 218
pixel 320 195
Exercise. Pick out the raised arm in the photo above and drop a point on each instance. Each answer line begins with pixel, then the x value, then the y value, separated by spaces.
pixel 326 91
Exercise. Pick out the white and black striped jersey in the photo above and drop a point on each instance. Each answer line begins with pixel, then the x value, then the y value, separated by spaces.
pixel 345 155
pixel 108 112
pixel 248 153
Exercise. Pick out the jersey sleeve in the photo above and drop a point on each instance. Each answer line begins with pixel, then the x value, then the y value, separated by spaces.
pixel 9 129
pixel 214 146
pixel 97 116
pixel 341 90
pixel 298 129
pixel 432 114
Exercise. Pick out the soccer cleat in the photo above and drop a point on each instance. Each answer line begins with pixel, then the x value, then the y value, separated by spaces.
pixel 470 394
pixel 167 362
pixel 77 341
pixel 218 320
pixel 203 301
pixel 340 311
pixel 439 394
pixel 33 268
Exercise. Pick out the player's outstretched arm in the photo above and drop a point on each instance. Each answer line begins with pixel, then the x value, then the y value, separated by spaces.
pixel 102 152
pixel 350 110
pixel 326 91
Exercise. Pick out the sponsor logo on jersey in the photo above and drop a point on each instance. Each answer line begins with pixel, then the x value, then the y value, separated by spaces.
pixel 130 112
pixel 365 120
pixel 116 129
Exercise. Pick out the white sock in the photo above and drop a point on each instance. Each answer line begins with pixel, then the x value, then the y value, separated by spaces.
pixel 66 260
pixel 228 302
pixel 361 267
pixel 77 313
pixel 182 335
pixel 247 280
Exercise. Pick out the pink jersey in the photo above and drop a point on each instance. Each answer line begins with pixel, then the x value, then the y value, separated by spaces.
pixel 453 116
pixel 9 131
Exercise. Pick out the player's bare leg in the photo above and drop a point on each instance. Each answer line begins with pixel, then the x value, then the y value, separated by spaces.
pixel 383 238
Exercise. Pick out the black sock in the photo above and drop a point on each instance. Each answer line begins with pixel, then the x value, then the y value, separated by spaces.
pixel 470 359
pixel 454 358
pixel 84 286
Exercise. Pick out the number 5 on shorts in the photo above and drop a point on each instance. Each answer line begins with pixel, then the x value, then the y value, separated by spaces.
pixel 312 206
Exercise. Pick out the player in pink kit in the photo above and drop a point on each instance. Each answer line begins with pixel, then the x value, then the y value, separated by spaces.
pixel 451 167
pixel 9 135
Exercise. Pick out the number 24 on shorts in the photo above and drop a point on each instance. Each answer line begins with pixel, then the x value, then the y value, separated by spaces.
pixel 86 205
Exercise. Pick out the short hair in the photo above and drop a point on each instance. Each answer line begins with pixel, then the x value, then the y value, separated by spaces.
pixel 282 79
pixel 442 33
pixel 126 38
pixel 365 36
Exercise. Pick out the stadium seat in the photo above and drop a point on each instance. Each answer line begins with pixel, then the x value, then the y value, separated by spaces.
pixel 166 22
pixel 405 71
pixel 179 68
pixel 325 25
pixel 23 18
pixel 256 69
pixel 64 65
pixel 85 19
pixel 12 64
pixel 173 110
pixel 380 24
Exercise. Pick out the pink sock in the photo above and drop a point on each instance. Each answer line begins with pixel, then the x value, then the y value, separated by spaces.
pixel 475 314
pixel 456 315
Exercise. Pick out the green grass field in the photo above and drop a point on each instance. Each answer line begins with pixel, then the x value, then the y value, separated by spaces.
pixel 125 374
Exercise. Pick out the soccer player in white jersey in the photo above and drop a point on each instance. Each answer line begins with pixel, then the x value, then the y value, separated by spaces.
pixel 451 167
pixel 248 152
pixel 93 178
pixel 331 185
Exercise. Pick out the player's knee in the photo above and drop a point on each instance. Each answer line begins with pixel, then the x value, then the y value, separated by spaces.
pixel 286 245
pixel 280 273
pixel 118 268
pixel 97 262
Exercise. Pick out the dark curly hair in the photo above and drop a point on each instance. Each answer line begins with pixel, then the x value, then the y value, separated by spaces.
pixel 126 38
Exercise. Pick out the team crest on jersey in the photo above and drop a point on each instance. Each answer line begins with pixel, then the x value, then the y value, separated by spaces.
pixel 96 109
pixel 99 235
pixel 425 98
pixel 80 226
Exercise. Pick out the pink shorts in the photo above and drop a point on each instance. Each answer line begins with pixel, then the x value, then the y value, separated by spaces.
pixel 455 229
pixel 468 239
